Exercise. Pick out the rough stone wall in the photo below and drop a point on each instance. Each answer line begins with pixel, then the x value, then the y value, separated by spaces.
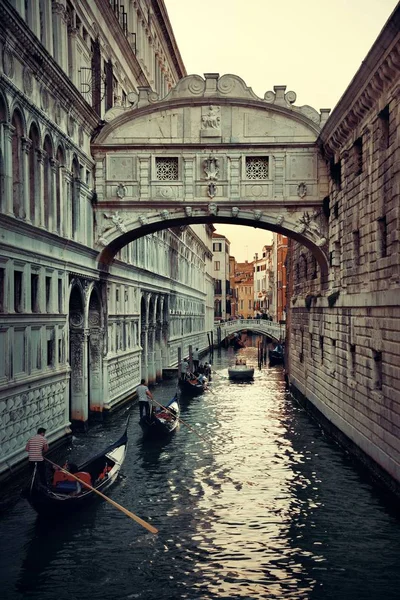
pixel 344 343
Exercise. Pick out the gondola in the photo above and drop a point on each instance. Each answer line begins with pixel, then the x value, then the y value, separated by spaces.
pixel 65 495
pixel 276 356
pixel 240 371
pixel 163 422
pixel 191 387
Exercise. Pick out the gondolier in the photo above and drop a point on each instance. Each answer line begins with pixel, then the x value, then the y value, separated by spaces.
pixel 145 399
pixel 36 446
pixel 195 358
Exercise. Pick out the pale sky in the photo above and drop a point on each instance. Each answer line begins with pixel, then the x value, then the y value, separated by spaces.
pixel 314 47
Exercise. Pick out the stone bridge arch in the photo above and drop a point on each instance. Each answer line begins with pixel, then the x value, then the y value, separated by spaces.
pixel 211 151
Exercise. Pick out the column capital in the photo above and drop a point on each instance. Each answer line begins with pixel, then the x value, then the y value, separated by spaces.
pixel 26 144
pixel 9 129
pixel 41 155
pixel 54 164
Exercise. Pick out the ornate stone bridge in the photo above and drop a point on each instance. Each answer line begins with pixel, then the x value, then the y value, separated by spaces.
pixel 262 326
pixel 211 151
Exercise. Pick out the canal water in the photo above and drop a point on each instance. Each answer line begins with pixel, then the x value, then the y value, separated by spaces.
pixel 260 505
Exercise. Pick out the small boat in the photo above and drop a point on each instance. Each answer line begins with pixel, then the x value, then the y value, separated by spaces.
pixel 65 494
pixel 276 356
pixel 192 387
pixel 240 371
pixel 163 422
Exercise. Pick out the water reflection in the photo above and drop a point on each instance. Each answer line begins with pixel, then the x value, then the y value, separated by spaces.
pixel 259 504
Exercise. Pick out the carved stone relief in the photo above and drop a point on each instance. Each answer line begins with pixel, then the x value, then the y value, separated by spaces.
pixel 211 121
pixel 8 62
pixel 27 78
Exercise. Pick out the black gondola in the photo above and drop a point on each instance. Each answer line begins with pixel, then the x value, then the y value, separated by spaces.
pixel 276 356
pixel 191 387
pixel 163 422
pixel 67 495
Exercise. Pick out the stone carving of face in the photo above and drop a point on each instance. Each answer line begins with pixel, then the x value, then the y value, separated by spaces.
pixel 235 211
pixel 188 211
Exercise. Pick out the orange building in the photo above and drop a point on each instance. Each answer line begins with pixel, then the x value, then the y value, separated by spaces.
pixel 243 286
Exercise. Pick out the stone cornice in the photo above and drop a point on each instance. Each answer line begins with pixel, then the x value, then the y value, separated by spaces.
pixel 31 52
pixel 378 74
pixel 161 14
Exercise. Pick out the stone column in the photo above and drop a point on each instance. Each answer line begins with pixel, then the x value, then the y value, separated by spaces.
pixel 8 131
pixel 188 176
pixel 40 187
pixel 48 26
pixel 279 175
pixel 144 176
pixel 53 194
pixel 234 177
pixel 72 61
pixel 79 375
pixel 151 363
pixel 158 356
pixel 60 34
pixel 144 342
pixel 66 178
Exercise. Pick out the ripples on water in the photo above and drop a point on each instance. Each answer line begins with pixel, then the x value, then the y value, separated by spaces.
pixel 262 506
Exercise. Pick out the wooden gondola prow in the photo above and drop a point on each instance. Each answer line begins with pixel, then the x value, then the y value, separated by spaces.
pixel 126 512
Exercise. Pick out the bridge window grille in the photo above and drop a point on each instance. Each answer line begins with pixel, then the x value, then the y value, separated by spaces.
pixel 167 169
pixel 256 167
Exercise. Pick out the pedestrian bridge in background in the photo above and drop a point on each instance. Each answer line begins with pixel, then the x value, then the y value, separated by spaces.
pixel 262 326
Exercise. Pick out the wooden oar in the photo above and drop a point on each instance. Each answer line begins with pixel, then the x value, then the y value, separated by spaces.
pixel 128 513
pixel 181 420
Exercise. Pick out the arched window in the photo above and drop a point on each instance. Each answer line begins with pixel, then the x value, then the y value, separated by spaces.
pixel 60 164
pixel 48 149
pixel 17 163
pixel 33 172
pixel 75 196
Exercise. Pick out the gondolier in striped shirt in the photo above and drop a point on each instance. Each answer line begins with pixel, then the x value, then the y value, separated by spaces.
pixel 37 445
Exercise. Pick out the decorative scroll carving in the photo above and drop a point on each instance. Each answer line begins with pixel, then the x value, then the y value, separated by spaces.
pixel 211 168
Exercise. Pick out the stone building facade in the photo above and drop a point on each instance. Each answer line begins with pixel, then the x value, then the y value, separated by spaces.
pixel 222 286
pixel 73 341
pixel 344 351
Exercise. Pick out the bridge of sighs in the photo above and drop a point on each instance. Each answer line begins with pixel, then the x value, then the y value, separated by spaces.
pixel 211 151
